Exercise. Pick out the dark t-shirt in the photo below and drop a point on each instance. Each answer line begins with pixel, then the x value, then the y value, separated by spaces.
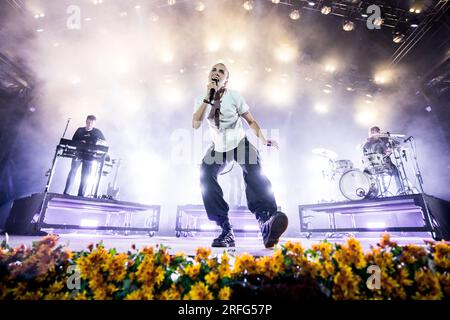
pixel 379 145
pixel 91 138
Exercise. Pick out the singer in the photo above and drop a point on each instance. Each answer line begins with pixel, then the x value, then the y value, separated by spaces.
pixel 224 109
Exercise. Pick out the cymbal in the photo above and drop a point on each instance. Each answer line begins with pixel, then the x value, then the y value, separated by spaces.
pixel 325 153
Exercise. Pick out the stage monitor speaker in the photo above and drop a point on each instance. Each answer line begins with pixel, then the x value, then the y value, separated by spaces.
pixel 21 215
pixel 440 210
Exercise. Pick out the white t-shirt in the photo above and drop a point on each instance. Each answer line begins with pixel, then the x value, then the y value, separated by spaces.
pixel 230 131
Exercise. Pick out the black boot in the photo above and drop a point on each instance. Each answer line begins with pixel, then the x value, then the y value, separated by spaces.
pixel 226 238
pixel 272 226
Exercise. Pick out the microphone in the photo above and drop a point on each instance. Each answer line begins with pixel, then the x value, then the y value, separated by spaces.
pixel 409 138
pixel 212 92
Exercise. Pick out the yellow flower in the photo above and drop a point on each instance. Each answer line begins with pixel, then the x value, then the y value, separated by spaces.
pixel 411 253
pixel 244 263
pixel 225 293
pixel 170 294
pixel 444 280
pixel 117 268
pixel 211 278
pixel 56 287
pixel 428 287
pixel 193 270
pixel 135 295
pixel 325 249
pixel 199 291
pixel 386 241
pixel 202 254
pixel 346 284
pixel 224 267
pixel 442 255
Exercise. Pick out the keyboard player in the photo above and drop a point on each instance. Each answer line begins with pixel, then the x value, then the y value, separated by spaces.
pixel 90 136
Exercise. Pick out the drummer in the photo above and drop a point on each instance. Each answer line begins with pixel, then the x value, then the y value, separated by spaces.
pixel 381 144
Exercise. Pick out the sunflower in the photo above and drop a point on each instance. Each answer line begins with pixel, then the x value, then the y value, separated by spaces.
pixel 199 291
pixel 211 278
pixel 225 293
pixel 202 254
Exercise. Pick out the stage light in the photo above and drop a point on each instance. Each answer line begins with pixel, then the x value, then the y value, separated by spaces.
pixel 39 15
pixel 325 10
pixel 96 2
pixel 88 223
pixel 171 2
pixel 321 108
pixel 154 17
pixel 326 7
pixel 327 91
pixel 311 3
pixel 285 53
pixel 348 25
pixel 414 22
pixel 238 44
pixel 248 5
pixel 200 6
pixel 268 69
pixel 87 19
pixel 398 37
pixel 329 67
pixel 40 30
pixel 137 7
pixel 383 77
pixel 366 117
pixel 167 57
pixel 213 45
pixel 378 21
pixel 123 14
pixel 276 1
pixel 350 89
pixel 294 15
pixel 376 225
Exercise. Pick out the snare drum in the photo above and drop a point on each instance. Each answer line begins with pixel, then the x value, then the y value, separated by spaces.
pixel 357 185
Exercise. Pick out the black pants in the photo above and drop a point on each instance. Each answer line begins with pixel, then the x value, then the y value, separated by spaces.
pixel 85 173
pixel 258 188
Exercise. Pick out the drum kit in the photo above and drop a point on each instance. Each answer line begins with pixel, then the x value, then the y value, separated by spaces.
pixel 350 183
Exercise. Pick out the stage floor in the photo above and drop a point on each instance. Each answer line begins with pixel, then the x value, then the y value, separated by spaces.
pixel 252 245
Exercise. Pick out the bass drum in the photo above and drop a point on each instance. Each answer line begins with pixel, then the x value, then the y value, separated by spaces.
pixel 357 185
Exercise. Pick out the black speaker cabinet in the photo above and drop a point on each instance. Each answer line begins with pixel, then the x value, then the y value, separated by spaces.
pixel 21 215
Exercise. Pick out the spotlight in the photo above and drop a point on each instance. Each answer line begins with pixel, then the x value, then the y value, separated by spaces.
pixel 321 108
pixel 325 10
pixel 311 3
pixel 200 6
pixel 285 53
pixel 378 21
pixel 276 1
pixel 238 44
pixel 348 25
pixel 414 22
pixel 213 45
pixel 330 67
pixel 398 37
pixel 171 2
pixel 366 116
pixel 248 5
pixel 154 17
pixel 294 15
pixel 383 77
